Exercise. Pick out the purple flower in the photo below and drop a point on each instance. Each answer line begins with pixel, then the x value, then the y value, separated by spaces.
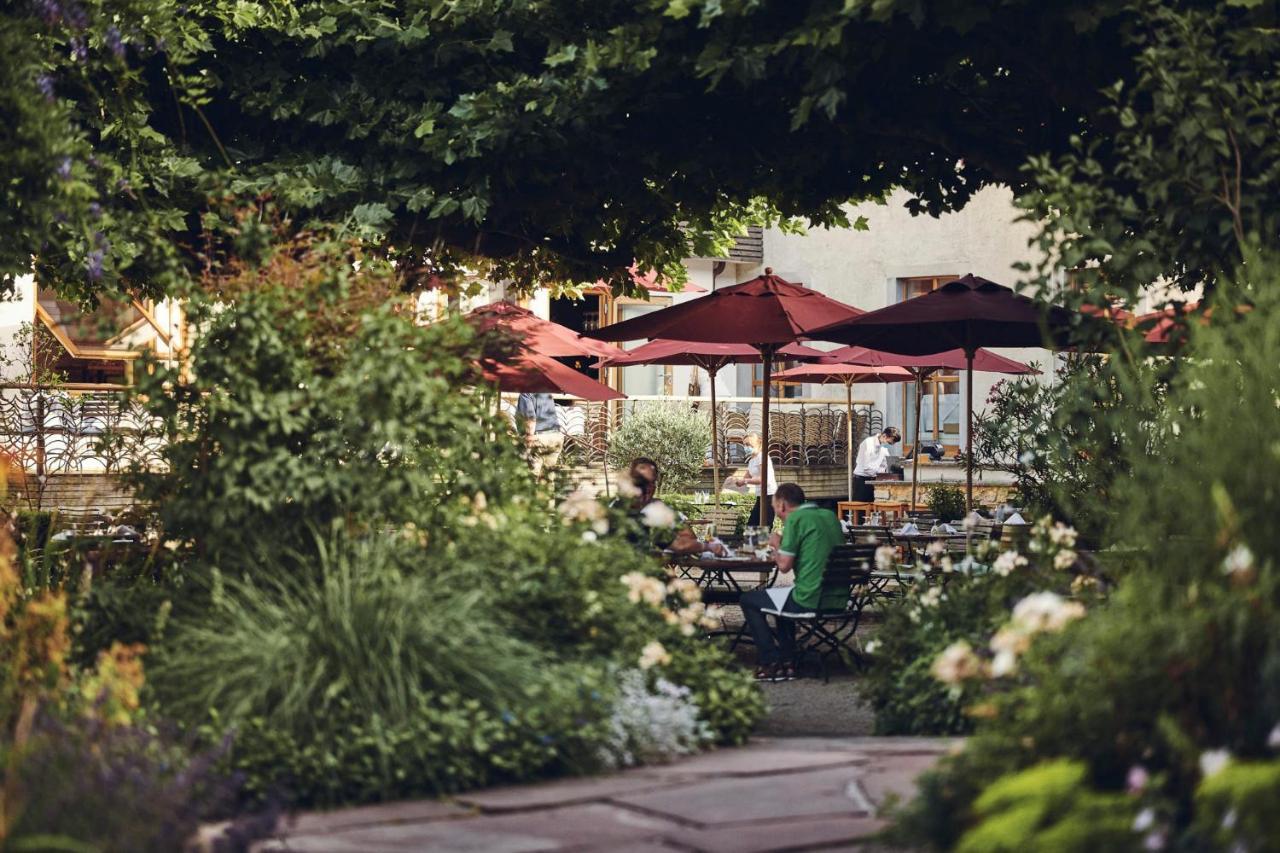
pixel 1137 780
pixel 76 16
pixel 49 10
pixel 95 210
pixel 45 84
pixel 115 42
pixel 64 168
pixel 78 51
pixel 93 265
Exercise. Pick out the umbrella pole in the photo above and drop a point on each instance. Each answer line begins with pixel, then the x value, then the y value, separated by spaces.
pixel 766 355
pixel 848 433
pixel 715 442
pixel 968 437
pixel 915 451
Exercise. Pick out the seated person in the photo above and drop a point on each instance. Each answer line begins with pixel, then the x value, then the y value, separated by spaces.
pixel 644 476
pixel 809 535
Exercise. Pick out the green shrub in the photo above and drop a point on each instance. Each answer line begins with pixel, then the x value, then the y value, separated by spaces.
pixel 694 506
pixel 675 436
pixel 946 502
pixel 1183 663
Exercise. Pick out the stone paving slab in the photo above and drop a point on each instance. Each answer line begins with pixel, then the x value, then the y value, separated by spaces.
pixel 827 792
pixel 781 794
pixel 405 811
pixel 777 835
pixel 568 791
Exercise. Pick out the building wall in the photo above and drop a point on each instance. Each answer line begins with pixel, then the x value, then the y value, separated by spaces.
pixel 862 268
pixel 15 310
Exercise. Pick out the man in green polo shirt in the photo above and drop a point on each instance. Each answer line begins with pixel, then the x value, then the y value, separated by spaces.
pixel 809 534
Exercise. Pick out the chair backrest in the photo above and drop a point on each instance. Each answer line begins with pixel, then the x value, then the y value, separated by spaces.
pixel 848 569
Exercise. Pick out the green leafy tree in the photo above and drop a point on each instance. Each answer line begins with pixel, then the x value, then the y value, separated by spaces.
pixel 675 436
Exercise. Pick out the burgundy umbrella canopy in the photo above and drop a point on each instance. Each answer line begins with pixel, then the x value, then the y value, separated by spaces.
pixel 537 336
pixel 967 313
pixel 920 367
pixel 766 312
pixel 532 373
pixel 849 375
pixel 711 358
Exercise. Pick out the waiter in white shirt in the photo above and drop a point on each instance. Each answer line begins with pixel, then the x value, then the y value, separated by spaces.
pixel 755 444
pixel 873 459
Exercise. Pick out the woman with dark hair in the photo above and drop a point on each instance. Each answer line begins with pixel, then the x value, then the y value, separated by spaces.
pixel 873 459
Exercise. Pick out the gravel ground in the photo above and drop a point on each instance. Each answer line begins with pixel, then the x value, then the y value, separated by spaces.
pixel 808 707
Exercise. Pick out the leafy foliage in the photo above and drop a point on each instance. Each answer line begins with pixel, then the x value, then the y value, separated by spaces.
pixel 675 436
pixel 1182 662
pixel 946 502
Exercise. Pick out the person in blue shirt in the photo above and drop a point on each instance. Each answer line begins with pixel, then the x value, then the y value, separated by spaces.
pixel 536 419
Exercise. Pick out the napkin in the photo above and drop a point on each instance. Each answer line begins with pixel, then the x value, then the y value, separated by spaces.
pixel 908 529
pixel 1016 518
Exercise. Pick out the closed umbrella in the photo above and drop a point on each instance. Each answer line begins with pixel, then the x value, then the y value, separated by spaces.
pixel 921 366
pixel 849 375
pixel 767 312
pixel 968 313
pixel 711 358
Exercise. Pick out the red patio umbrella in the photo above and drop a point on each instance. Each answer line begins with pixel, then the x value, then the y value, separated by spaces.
pixel 766 312
pixel 534 334
pixel 849 375
pixel 967 313
pixel 532 373
pixel 920 367
pixel 711 358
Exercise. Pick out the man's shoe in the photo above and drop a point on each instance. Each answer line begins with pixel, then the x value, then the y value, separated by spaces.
pixel 784 672
pixel 765 673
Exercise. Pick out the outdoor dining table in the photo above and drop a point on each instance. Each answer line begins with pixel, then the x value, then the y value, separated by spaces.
pixel 717 573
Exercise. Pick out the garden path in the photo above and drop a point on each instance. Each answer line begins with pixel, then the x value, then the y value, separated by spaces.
pixel 775 794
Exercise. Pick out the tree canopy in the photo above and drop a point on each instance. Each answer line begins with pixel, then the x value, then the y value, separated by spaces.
pixel 558 140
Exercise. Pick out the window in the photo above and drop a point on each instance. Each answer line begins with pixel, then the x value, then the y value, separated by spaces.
pixel 642 379
pixel 941 406
pixel 780 390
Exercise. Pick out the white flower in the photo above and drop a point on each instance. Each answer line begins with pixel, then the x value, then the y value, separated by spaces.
pixel 625 487
pixel 871 647
pixel 936 549
pixel 686 589
pixel 1144 820
pixel 1064 559
pixel 480 502
pixel 641 587
pixel 658 514
pixel 1137 780
pixel 1239 560
pixel 956 664
pixel 1027 457
pixel 1063 535
pixel 654 654
pixel 931 596
pixel 712 617
pixel 1007 562
pixel 947 565
pixel 581 505
pixel 1004 663
pixel 1273 739
pixel 1213 761
pixel 885 556
pixel 971 522
pixel 589 536
pixel 1009 639
pixel 1045 611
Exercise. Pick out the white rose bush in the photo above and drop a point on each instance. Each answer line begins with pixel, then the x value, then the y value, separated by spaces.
pixel 962 628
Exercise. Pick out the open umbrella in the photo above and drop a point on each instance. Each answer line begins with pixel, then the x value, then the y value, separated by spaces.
pixel 849 375
pixel 921 366
pixel 532 373
pixel 711 358
pixel 534 334
pixel 966 314
pixel 766 312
